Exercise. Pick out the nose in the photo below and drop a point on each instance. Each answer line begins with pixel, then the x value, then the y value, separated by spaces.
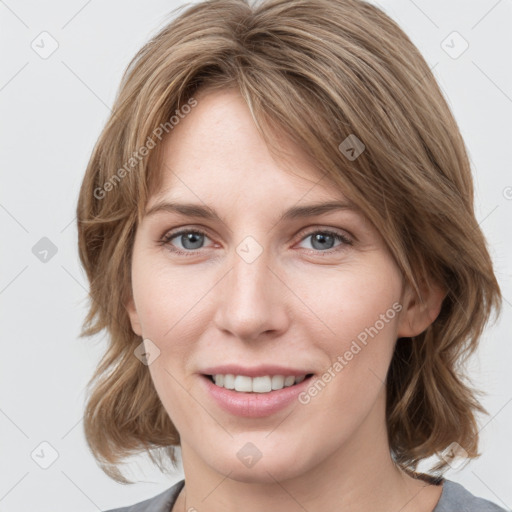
pixel 252 300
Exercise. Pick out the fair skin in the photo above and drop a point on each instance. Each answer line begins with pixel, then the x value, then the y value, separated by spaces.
pixel 299 303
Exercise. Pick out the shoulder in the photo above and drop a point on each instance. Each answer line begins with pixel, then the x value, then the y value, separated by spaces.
pixel 160 503
pixel 456 498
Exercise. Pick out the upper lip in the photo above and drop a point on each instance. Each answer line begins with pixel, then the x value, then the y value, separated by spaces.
pixel 254 371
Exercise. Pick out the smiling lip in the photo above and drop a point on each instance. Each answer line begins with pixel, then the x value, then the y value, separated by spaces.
pixel 253 405
pixel 255 371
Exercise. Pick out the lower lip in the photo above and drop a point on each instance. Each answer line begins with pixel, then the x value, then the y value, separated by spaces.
pixel 254 405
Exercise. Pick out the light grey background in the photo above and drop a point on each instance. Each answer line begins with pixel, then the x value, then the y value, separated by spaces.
pixel 52 111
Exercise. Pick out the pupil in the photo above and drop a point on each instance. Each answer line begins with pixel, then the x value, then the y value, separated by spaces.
pixel 189 238
pixel 319 237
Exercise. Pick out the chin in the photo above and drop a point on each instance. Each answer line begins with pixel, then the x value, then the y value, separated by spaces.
pixel 258 474
pixel 280 465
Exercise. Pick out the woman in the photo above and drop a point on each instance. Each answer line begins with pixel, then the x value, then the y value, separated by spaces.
pixel 277 225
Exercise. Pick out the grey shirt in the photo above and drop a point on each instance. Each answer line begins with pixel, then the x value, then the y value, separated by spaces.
pixel 454 498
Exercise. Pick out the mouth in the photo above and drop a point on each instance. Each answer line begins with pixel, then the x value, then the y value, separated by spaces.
pixel 267 389
pixel 256 385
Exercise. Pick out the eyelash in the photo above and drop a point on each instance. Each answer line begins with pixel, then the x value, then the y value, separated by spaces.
pixel 167 237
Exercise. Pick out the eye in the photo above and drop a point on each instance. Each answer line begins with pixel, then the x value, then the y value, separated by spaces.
pixel 323 240
pixel 191 241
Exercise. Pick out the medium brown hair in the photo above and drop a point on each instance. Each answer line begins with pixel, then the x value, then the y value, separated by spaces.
pixel 319 71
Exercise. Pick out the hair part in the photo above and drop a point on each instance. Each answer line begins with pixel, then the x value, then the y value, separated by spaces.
pixel 317 71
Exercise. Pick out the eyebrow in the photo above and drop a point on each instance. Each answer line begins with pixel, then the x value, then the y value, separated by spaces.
pixel 296 212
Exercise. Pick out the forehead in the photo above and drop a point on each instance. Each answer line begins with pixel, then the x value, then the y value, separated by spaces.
pixel 216 150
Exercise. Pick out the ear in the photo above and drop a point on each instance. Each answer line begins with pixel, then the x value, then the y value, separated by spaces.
pixel 420 312
pixel 134 317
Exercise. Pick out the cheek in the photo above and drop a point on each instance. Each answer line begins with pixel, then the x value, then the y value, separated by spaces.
pixel 359 309
pixel 167 298
pixel 349 300
pixel 167 304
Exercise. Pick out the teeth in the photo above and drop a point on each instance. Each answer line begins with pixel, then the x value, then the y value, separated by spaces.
pixel 263 384
pixel 289 381
pixel 229 382
pixel 277 382
pixel 243 383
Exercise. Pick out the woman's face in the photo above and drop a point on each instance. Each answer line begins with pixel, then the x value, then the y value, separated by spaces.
pixel 267 293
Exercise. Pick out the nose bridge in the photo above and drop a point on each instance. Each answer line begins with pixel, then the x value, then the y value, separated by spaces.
pixel 250 303
pixel 250 274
